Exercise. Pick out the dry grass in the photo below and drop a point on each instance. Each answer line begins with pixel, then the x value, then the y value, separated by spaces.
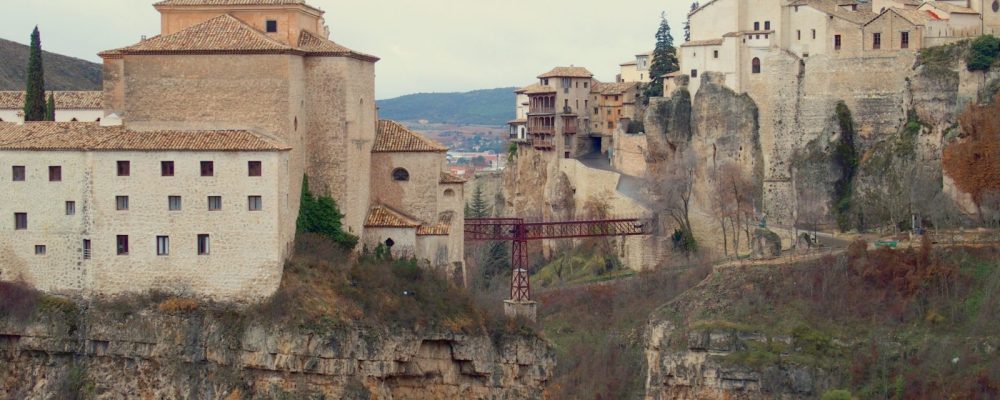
pixel 175 305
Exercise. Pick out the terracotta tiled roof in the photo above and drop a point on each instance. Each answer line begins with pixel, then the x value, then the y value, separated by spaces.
pixel 315 45
pixel 381 216
pixel 433 230
pixel 538 89
pixel 39 136
pixel 393 137
pixel 567 72
pixel 224 33
pixel 14 100
pixel 915 17
pixel 613 88
pixel 447 178
pixel 232 3
pixel 832 8
pixel 709 42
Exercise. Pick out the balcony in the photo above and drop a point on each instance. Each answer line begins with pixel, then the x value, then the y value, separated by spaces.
pixel 569 129
pixel 541 110
pixel 543 144
pixel 541 130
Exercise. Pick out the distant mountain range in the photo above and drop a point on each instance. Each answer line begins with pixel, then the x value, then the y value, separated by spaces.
pixel 61 72
pixel 479 107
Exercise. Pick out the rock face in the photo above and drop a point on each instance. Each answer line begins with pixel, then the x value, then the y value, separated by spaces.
pixel 693 367
pixel 216 357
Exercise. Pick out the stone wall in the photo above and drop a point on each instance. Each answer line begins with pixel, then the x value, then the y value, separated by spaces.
pixel 416 197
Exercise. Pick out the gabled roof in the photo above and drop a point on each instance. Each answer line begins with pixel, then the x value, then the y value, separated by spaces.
pixel 567 72
pixel 950 8
pixel 612 88
pixel 393 137
pixel 381 216
pixel 224 33
pixel 68 136
pixel 433 230
pixel 449 178
pixel 315 45
pixel 14 100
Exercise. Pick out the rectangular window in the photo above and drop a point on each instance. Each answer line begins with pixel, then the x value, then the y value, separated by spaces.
pixel 55 173
pixel 70 208
pixel 86 249
pixel 203 245
pixel 756 26
pixel 836 42
pixel 256 203
pixel 694 73
pixel 876 41
pixel 767 25
pixel 814 34
pixel 20 221
pixel 715 54
pixel 255 168
pixel 207 168
pixel 122 245
pixel 18 173
pixel 904 40
pixel 40 249
pixel 272 26
pixel 121 203
pixel 214 203
pixel 162 245
pixel 174 203
pixel 124 168
pixel 166 168
pixel 798 34
pixel 585 84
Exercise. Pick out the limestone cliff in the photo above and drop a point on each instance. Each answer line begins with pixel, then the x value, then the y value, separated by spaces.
pixel 215 356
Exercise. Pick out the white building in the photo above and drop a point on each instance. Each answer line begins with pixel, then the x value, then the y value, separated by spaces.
pixel 518 125
pixel 636 70
pixel 71 106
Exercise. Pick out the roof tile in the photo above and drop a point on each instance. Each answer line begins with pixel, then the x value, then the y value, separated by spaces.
pixel 224 33
pixel 79 136
pixel 14 100
pixel 381 216
pixel 447 177
pixel 393 137
pixel 567 72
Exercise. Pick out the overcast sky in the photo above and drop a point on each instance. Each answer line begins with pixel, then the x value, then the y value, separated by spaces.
pixel 425 45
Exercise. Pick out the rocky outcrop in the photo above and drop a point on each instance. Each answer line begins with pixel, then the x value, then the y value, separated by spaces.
pixel 150 355
pixel 698 365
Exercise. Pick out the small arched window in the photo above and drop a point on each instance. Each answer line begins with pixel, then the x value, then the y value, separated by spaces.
pixel 400 174
pixel 755 65
pixel 449 193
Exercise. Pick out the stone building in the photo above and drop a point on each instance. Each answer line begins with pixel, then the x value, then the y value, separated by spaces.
pixel 71 106
pixel 636 70
pixel 558 109
pixel 191 181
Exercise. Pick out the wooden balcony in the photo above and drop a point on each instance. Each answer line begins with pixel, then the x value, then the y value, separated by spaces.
pixel 543 144
pixel 541 130
pixel 569 129
pixel 541 110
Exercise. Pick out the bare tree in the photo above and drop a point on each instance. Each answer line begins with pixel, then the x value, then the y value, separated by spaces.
pixel 673 188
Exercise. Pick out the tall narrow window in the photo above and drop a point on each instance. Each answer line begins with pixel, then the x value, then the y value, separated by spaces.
pixel 17 173
pixel 162 245
pixel 207 168
pixel 86 249
pixel 166 168
pixel 756 26
pixel 715 54
pixel 121 203
pixel 124 168
pixel 798 34
pixel 255 168
pixel 214 203
pixel 255 203
pixel 876 41
pixel 20 221
pixel 814 34
pixel 755 65
pixel 55 173
pixel 904 40
pixel 767 25
pixel 836 42
pixel 204 245
pixel 174 203
pixel 70 208
pixel 122 245
pixel 271 25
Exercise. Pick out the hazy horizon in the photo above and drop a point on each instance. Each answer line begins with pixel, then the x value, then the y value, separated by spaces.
pixel 430 46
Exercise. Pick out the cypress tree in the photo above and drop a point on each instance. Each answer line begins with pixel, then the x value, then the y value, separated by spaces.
pixel 50 108
pixel 34 94
pixel 664 58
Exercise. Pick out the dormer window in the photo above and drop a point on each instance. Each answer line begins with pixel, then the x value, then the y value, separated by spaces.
pixel 272 26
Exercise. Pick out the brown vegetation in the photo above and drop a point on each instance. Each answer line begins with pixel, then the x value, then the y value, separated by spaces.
pixel 973 162
pixel 178 305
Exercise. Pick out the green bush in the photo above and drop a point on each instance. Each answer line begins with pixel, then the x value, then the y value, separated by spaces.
pixel 321 215
pixel 838 394
pixel 635 127
pixel 983 53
